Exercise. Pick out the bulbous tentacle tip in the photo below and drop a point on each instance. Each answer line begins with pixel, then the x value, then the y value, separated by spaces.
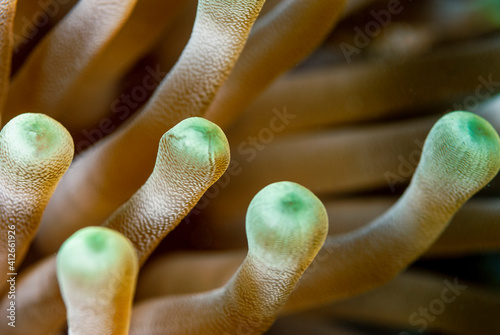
pixel 92 253
pixel 477 129
pixel 286 225
pixel 463 150
pixel 199 139
pixel 32 138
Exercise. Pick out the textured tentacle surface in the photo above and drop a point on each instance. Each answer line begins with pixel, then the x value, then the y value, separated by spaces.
pixel 35 151
pixel 460 156
pixel 192 156
pixel 473 229
pixel 294 157
pixel 195 149
pixel 97 270
pixel 286 226
pixel 108 174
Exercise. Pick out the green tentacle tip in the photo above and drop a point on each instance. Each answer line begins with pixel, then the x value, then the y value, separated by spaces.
pixel 463 144
pixel 93 254
pixel 286 225
pixel 199 139
pixel 477 128
pixel 31 137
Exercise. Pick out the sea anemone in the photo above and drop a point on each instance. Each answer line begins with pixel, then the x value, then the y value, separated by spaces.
pixel 249 167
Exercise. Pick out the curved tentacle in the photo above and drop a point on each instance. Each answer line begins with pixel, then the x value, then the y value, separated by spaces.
pixel 110 172
pixel 101 81
pixel 8 10
pixel 294 157
pixel 192 156
pixel 286 226
pixel 277 44
pixel 460 156
pixel 371 90
pixel 194 150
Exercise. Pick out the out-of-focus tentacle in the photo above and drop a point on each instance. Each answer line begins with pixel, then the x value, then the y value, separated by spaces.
pixel 372 90
pixel 76 41
pixel 281 39
pixel 424 302
pixel 7 10
pixel 101 81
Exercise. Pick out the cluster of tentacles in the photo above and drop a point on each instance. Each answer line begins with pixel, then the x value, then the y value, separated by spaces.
pixel 308 153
